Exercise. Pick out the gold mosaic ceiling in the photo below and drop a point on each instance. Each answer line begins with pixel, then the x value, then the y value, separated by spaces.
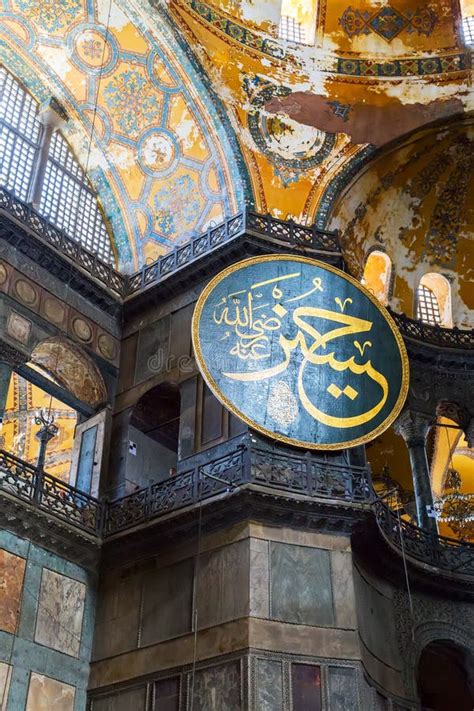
pixel 201 107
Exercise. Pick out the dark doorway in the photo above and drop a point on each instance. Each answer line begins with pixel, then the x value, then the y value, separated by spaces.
pixel 154 435
pixel 443 683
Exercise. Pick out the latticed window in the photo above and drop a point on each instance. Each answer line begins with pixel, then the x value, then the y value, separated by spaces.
pixel 428 307
pixel 19 136
pixel 468 30
pixel 291 30
pixel 67 199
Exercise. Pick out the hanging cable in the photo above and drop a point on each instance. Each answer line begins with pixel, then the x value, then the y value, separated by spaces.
pixel 194 613
pixel 99 81
pixel 405 566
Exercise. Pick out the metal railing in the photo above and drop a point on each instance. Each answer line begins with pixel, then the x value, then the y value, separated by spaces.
pixel 243 464
pixel 284 232
pixel 82 257
pixel 447 554
pixel 438 336
pixel 226 467
pixel 245 222
pixel 49 494
pixel 219 471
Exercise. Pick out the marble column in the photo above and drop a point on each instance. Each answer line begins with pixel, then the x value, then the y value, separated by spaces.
pixel 413 427
pixel 5 375
pixel 52 116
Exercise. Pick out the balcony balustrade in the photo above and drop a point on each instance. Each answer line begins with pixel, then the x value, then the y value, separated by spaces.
pixel 453 557
pixel 228 468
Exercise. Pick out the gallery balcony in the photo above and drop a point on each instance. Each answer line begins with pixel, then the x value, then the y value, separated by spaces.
pixel 238 465
pixel 288 483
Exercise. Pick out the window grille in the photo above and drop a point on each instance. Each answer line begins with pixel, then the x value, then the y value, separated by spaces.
pixel 19 136
pixel 468 30
pixel 291 30
pixel 428 307
pixel 68 202
pixel 67 199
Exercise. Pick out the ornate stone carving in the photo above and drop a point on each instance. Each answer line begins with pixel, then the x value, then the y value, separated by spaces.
pixel 426 620
pixel 413 427
pixel 9 354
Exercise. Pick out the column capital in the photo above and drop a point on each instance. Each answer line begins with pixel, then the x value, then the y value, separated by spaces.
pixel 413 426
pixel 52 114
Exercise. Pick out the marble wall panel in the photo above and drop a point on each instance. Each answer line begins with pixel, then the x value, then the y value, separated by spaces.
pixel 46 694
pixel 166 694
pixel 118 616
pixel 167 602
pixel 60 612
pixel 343 589
pixel 223 584
pixel 5 678
pixel 259 578
pixel 12 571
pixel 306 687
pixel 269 682
pixel 218 688
pixel 342 689
pixel 128 700
pixel 301 589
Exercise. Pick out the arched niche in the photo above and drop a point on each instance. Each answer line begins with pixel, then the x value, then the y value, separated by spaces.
pixel 72 369
pixel 377 275
pixel 443 677
pixel 433 300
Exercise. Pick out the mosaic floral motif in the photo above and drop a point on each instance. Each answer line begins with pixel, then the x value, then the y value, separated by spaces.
pixel 176 206
pixel 441 241
pixel 402 67
pixel 132 101
pixel 419 21
pixel 388 22
pixel 92 48
pixel 51 14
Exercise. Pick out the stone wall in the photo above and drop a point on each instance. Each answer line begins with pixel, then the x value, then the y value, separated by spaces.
pixel 46 623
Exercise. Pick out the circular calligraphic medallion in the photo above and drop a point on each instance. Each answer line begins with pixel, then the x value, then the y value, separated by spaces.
pixel 300 351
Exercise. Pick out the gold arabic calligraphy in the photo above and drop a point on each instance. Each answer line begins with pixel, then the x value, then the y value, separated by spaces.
pixel 250 320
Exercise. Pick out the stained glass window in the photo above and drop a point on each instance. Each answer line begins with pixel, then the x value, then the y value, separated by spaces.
pixel 67 199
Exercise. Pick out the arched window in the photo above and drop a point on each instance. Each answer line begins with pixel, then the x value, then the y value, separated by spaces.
pixel 67 199
pixel 434 300
pixel 377 275
pixel 298 21
pixel 467 21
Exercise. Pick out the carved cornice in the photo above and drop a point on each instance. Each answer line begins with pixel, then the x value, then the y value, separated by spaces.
pixel 11 355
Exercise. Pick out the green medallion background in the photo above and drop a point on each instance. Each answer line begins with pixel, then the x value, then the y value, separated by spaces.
pixel 300 351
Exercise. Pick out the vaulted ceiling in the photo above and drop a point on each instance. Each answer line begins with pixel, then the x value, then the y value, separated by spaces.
pixel 201 106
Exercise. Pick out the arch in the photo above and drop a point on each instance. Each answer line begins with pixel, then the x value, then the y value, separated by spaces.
pixel 19 429
pixel 62 181
pixel 443 677
pixel 72 369
pixel 377 275
pixel 434 300
pixel 431 631
pixel 162 153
